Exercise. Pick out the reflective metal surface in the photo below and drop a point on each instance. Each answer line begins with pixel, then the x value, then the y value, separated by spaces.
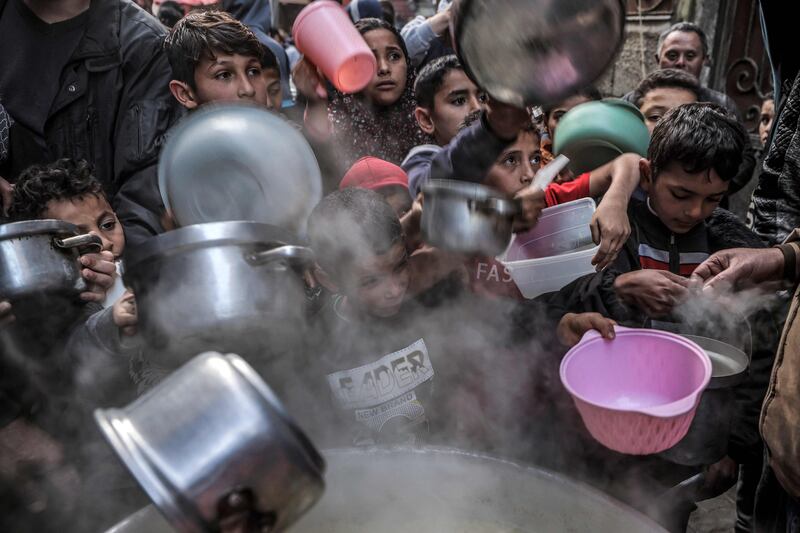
pixel 211 428
pixel 198 289
pixel 238 162
pixel 537 52
pixel 39 259
pixel 466 217
pixel 442 490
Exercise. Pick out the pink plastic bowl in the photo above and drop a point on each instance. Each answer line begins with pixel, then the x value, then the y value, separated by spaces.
pixel 638 393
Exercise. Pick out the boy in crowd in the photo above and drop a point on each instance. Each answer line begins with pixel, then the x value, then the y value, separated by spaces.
pixel 663 90
pixel 216 58
pixel 383 177
pixel 378 349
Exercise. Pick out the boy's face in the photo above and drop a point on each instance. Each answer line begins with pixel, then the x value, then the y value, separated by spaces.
pixel 389 82
pixel 225 78
pixel 765 122
pixel 92 214
pixel 272 78
pixel 657 102
pixel 397 197
pixel 516 166
pixel 377 286
pixel 682 200
pixel 554 117
pixel 457 98
pixel 682 50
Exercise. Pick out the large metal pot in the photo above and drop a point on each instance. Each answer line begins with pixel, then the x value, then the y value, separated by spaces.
pixel 706 442
pixel 211 442
pixel 466 217
pixel 442 490
pixel 39 260
pixel 224 286
pixel 536 52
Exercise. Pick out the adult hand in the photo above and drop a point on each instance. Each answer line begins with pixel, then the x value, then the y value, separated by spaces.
pixel 506 120
pixel 533 202
pixel 656 292
pixel 740 268
pixel 309 80
pixel 6 190
pixel 124 313
pixel 100 271
pixel 610 229
pixel 572 327
pixel 6 317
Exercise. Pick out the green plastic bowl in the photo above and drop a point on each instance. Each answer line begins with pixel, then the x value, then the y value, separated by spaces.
pixel 594 133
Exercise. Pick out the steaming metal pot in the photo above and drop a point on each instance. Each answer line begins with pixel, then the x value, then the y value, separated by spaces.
pixel 225 286
pixel 212 441
pixel 39 260
pixel 536 52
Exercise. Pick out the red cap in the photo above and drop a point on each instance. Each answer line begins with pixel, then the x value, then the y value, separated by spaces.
pixel 373 173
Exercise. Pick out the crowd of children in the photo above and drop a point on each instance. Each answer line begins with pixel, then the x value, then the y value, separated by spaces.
pixel 408 344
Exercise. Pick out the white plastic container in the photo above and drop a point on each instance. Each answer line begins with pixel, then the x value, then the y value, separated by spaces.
pixel 556 252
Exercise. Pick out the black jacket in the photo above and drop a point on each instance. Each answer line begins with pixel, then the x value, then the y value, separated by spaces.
pixel 651 245
pixel 113 109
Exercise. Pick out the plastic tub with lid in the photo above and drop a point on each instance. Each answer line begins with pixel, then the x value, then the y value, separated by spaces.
pixel 556 252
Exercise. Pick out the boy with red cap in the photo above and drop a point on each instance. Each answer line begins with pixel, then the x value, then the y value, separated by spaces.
pixel 383 177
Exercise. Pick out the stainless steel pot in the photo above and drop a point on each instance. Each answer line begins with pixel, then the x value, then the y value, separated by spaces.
pixel 536 52
pixel 467 217
pixel 434 489
pixel 212 441
pixel 224 286
pixel 39 259
pixel 707 439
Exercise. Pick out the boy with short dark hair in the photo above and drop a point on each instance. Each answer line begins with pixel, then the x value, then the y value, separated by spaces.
pixel 663 90
pixel 695 151
pixel 216 58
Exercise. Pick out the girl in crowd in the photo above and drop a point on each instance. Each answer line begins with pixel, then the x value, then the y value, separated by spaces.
pixel 379 120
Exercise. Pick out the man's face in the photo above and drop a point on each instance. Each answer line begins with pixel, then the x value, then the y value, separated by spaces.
pixel 229 78
pixel 457 98
pixel 765 121
pixel 377 286
pixel 272 78
pixel 554 117
pixel 657 102
pixel 682 50
pixel 92 214
pixel 515 168
pixel 682 200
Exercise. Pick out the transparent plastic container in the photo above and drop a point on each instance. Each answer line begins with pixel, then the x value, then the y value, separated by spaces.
pixel 556 252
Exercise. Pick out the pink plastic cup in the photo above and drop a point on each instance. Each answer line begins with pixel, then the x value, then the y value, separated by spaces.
pixel 637 394
pixel 324 33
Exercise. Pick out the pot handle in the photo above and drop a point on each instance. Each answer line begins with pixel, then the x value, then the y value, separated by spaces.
pixel 87 243
pixel 296 255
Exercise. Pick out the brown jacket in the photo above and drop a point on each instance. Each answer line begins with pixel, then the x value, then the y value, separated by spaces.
pixel 780 415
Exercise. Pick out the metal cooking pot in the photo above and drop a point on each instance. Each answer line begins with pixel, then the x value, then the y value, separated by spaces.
pixel 536 52
pixel 39 259
pixel 467 217
pixel 224 286
pixel 211 442
pixel 707 439
pixel 434 489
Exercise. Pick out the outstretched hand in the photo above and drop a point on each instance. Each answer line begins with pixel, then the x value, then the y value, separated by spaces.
pixel 572 327
pixel 740 268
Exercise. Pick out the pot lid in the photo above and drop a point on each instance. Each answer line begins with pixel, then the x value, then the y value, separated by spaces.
pixel 238 162
pixel 728 363
pixel 28 228
pixel 207 235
